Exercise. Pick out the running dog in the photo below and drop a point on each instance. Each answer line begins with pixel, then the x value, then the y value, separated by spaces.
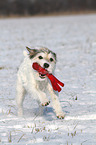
pixel 37 85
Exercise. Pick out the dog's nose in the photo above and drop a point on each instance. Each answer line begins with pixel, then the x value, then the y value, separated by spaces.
pixel 46 65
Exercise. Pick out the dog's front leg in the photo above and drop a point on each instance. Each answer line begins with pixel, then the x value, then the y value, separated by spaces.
pixel 42 97
pixel 55 103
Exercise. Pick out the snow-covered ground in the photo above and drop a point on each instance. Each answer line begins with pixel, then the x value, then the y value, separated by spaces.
pixel 73 38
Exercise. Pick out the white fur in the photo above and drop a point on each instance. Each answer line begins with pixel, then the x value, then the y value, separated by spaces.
pixel 25 53
pixel 29 80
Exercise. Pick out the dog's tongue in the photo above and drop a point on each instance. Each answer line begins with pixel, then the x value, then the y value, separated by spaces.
pixel 54 81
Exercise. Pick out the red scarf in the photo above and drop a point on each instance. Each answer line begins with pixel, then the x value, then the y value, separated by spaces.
pixel 54 81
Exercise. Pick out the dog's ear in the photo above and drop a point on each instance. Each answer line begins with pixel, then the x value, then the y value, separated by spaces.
pixel 32 52
pixel 55 56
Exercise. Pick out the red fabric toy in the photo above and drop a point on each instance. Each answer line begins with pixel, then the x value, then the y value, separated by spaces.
pixel 54 81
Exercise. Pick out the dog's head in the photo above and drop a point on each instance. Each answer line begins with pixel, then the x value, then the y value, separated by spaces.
pixel 45 58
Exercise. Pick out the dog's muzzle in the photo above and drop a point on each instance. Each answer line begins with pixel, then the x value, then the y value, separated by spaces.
pixel 46 65
pixel 42 76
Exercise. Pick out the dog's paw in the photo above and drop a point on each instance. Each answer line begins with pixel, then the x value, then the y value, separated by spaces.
pixel 61 115
pixel 20 112
pixel 46 103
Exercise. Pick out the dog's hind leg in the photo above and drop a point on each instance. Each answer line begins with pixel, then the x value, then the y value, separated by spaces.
pixel 20 96
pixel 41 108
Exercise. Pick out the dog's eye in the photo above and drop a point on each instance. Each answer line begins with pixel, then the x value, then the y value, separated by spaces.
pixel 40 57
pixel 51 59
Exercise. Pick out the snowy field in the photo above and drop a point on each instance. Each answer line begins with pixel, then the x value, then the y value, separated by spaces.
pixel 73 38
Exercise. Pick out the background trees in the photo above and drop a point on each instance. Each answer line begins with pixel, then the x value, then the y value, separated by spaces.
pixel 31 7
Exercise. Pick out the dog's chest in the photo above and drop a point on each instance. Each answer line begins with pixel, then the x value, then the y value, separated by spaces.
pixel 42 85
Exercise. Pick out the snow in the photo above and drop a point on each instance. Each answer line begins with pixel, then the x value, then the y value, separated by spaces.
pixel 73 38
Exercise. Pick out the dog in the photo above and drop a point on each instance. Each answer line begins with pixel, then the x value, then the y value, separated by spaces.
pixel 37 85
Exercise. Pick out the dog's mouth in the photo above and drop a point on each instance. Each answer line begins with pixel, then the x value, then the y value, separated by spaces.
pixel 42 76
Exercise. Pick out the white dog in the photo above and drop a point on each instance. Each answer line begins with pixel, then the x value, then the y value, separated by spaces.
pixel 29 80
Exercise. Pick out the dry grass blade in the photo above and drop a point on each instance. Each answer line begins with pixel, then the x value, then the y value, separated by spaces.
pixel 20 138
pixel 10 137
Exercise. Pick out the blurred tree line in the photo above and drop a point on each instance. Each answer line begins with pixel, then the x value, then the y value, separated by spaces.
pixel 31 7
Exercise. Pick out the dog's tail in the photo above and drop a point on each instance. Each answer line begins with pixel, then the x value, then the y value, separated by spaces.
pixel 25 53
